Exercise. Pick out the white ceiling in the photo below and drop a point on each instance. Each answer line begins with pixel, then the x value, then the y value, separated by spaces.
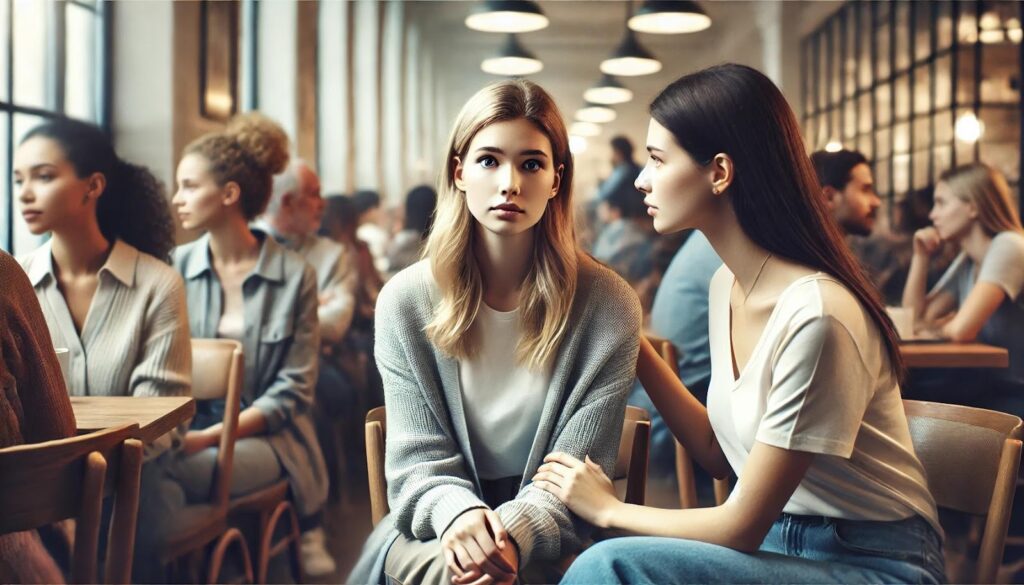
pixel 581 34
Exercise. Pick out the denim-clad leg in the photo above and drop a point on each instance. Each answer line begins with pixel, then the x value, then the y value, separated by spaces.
pixel 796 550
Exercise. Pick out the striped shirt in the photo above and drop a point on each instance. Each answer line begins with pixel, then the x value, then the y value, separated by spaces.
pixel 135 340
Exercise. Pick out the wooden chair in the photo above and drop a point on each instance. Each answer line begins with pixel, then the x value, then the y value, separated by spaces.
pixel 631 464
pixel 216 375
pixel 971 457
pixel 684 463
pixel 55 480
pixel 634 456
pixel 271 505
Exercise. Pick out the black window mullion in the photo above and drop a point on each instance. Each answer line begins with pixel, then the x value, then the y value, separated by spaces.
pixel 977 73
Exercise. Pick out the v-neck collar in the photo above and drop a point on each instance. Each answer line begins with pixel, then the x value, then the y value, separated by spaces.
pixel 737 373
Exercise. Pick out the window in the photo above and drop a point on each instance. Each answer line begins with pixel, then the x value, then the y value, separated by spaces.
pixel 919 67
pixel 53 63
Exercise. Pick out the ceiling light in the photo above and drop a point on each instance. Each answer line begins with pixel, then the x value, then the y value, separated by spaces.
pixel 585 129
pixel 608 91
pixel 669 17
pixel 512 60
pixel 577 144
pixel 968 128
pixel 833 146
pixel 509 16
pixel 595 113
pixel 630 59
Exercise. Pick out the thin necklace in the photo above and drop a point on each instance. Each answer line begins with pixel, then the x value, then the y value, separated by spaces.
pixel 756 278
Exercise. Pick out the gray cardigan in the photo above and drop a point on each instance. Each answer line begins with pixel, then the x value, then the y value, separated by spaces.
pixel 281 345
pixel 429 463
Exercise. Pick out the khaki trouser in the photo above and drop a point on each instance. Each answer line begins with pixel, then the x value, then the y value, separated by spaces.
pixel 421 562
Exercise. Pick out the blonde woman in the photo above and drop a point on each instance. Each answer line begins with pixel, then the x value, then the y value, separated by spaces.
pixel 504 344
pixel 979 296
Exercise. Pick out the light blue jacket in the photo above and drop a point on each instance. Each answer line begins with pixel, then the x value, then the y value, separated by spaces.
pixel 281 346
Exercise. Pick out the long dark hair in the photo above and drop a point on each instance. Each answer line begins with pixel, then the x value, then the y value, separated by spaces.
pixel 134 206
pixel 420 204
pixel 736 110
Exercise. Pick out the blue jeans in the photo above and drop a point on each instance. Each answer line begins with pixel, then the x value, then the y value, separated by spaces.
pixel 798 549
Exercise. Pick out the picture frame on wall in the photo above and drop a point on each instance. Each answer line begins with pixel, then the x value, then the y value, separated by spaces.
pixel 218 59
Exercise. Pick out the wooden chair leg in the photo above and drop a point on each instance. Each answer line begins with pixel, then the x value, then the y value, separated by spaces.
pixel 269 549
pixel 231 536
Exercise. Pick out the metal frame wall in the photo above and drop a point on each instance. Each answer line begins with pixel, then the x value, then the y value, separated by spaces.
pixel 891 78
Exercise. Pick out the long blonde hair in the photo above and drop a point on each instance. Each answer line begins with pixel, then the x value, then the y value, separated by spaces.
pixel 987 189
pixel 550 285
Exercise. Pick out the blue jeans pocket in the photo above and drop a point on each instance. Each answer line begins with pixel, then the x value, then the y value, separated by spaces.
pixel 902 540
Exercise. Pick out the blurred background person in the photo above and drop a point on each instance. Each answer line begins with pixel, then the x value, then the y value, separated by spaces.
pixel 404 250
pixel 367 204
pixel 293 218
pixel 979 296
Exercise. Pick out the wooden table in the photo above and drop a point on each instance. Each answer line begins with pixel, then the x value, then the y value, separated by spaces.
pixel 953 355
pixel 156 416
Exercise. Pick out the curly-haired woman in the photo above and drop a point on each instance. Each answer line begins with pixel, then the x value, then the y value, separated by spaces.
pixel 102 279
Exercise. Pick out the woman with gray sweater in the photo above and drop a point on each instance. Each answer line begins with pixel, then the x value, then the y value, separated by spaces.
pixel 505 344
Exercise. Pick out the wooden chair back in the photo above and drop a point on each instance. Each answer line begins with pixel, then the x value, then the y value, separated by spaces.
pixel 51 481
pixel 684 463
pixel 376 430
pixel 217 373
pixel 634 455
pixel 971 457
pixel 631 463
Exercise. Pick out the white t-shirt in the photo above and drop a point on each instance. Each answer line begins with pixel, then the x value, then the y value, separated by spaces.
pixel 818 381
pixel 502 400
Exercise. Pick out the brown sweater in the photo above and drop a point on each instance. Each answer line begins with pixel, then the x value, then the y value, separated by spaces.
pixel 34 407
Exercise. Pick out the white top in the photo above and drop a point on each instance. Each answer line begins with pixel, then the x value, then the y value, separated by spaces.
pixel 502 400
pixel 818 381
pixel 135 340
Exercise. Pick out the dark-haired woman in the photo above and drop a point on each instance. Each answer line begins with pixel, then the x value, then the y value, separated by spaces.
pixel 103 279
pixel 405 248
pixel 804 401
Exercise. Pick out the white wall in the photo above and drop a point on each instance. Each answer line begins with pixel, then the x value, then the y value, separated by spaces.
pixel 278 46
pixel 143 106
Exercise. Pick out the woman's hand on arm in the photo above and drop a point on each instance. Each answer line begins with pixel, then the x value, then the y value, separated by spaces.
pixel 684 415
pixel 478 550
pixel 769 480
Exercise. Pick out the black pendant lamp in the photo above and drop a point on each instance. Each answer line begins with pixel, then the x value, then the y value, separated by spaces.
pixel 513 60
pixel 507 16
pixel 669 17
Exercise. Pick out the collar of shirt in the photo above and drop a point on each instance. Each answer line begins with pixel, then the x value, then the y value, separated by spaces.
pixel 120 264
pixel 269 266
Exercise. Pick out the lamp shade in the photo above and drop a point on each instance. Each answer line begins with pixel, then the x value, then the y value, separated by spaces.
pixel 585 129
pixel 608 91
pixel 595 113
pixel 507 16
pixel 512 60
pixel 669 17
pixel 630 59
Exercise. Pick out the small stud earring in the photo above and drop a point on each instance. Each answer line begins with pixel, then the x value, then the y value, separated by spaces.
pixel 714 190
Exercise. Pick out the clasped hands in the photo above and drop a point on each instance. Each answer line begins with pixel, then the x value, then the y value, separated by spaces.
pixel 478 551
pixel 476 546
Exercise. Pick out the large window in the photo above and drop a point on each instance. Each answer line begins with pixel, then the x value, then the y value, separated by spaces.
pixel 911 84
pixel 53 63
